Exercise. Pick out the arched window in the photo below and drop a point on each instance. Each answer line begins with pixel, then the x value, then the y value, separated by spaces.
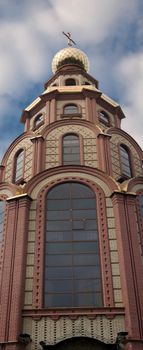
pixel 70 81
pixel 71 149
pixel 71 109
pixel 103 117
pixel 19 166
pixel 2 209
pixel 72 259
pixel 125 161
pixel 38 120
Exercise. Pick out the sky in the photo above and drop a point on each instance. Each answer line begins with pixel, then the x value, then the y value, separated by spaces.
pixel 110 32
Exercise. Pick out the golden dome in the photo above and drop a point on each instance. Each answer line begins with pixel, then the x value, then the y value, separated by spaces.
pixel 69 52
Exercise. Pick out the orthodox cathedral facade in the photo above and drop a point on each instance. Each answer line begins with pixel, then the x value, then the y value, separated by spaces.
pixel 71 221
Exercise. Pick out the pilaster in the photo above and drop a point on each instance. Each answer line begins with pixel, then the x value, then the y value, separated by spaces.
pixel 104 155
pixel 130 261
pixel 13 278
pixel 38 154
pixel 2 167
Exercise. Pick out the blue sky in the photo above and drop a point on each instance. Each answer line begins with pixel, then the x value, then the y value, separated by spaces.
pixel 110 32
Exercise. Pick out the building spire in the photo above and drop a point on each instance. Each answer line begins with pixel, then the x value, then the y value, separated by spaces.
pixel 70 41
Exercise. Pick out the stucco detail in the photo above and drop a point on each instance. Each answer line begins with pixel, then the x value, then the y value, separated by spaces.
pixel 27 145
pixel 54 331
pixel 53 145
pixel 113 254
pixel 93 179
pixel 115 140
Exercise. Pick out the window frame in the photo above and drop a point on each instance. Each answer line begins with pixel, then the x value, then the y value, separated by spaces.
pixel 21 179
pixel 80 149
pixel 123 174
pixel 105 122
pixel 73 79
pixel 71 115
pixel 78 265
pixel 38 282
pixel 40 123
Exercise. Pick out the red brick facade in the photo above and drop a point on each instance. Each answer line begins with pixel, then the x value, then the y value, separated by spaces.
pixel 119 215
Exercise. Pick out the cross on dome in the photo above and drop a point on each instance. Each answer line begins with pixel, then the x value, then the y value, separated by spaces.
pixel 70 40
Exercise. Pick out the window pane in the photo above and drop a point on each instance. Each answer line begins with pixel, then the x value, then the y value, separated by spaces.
pixel 86 259
pixel 87 285
pixel 39 119
pixel 88 299
pixel 125 161
pixel 61 286
pixel 61 192
pixel 70 109
pixel 86 272
pixel 85 235
pixel 58 260
pixel 58 215
pixel 19 166
pixel 104 117
pixel 58 225
pixel 58 272
pixel 84 214
pixel 87 204
pixel 53 248
pixel 59 236
pixel 58 204
pixel 58 300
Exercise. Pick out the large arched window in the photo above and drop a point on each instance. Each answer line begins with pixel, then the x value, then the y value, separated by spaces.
pixel 19 166
pixel 125 161
pixel 72 259
pixel 71 149
pixel 2 209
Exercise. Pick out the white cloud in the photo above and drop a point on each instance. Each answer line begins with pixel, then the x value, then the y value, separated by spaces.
pixel 31 32
pixel 130 74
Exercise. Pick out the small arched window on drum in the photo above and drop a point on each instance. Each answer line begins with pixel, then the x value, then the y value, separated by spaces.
pixel 39 119
pixel 104 118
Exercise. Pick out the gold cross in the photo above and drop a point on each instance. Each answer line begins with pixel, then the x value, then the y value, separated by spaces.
pixel 70 41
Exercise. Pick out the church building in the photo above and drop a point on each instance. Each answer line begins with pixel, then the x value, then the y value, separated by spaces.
pixel 71 220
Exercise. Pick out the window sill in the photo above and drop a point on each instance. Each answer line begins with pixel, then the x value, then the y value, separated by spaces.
pixel 71 116
pixel 20 182
pixel 38 126
pixel 73 313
